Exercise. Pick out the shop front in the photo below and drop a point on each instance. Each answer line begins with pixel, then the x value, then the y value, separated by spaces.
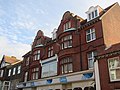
pixel 75 81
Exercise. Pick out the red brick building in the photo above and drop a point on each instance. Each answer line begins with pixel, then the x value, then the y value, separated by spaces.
pixel 65 61
pixel 108 66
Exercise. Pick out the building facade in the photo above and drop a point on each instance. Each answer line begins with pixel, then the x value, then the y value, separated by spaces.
pixel 66 61
pixel 10 73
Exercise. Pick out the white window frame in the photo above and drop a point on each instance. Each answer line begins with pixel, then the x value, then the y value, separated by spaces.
pixel 19 69
pixel 1 73
pixel 4 85
pixel 49 64
pixel 92 31
pixel 67 25
pixel 91 59
pixel 25 76
pixel 93 14
pixel 9 72
pixel 113 68
pixel 14 70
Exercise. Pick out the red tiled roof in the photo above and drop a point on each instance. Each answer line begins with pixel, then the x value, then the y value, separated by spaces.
pixel 11 59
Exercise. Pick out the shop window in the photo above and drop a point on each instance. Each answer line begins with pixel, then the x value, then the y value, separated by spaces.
pixel 77 88
pixel 90 56
pixel 66 42
pixel 37 55
pixel 66 65
pixel 49 68
pixel 50 51
pixel 35 72
pixel 90 35
pixel 89 88
pixel 114 68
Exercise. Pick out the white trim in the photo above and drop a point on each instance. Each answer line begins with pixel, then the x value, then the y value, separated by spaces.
pixel 49 59
pixel 97 75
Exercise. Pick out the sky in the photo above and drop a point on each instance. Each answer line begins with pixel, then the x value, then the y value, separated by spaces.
pixel 21 19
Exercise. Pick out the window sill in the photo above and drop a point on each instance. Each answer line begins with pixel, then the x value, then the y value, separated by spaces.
pixel 70 29
pixel 91 40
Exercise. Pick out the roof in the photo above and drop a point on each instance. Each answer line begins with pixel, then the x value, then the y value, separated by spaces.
pixel 110 51
pixel 11 59
pixel 84 23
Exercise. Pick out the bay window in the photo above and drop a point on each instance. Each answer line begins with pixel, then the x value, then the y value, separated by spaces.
pixel 66 65
pixel 35 72
pixel 67 25
pixel 37 55
pixel 66 42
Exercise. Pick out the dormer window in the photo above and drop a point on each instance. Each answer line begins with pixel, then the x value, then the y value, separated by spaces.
pixel 93 15
pixel 93 12
pixel 67 25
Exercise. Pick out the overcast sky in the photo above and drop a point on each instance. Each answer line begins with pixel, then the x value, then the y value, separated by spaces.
pixel 21 19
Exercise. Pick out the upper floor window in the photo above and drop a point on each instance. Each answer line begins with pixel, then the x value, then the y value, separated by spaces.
pixel 35 73
pixel 1 73
pixel 37 55
pixel 38 41
pixel 25 76
pixel 9 72
pixel 14 69
pixel 49 68
pixel 90 56
pixel 66 42
pixel 50 51
pixel 90 35
pixel 27 61
pixel 93 14
pixel 114 68
pixel 19 69
pixel 66 65
pixel 67 25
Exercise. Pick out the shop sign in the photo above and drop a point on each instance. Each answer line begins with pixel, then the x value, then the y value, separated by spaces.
pixel 49 81
pixel 63 79
pixel 87 76
pixel 32 84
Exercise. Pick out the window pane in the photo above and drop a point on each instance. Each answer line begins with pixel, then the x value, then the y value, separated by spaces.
pixel 88 37
pixel 65 68
pixel 92 14
pixel 89 16
pixel 96 13
pixel 70 67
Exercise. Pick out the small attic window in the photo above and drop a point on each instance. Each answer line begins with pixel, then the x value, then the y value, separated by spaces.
pixel 93 15
pixel 93 12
